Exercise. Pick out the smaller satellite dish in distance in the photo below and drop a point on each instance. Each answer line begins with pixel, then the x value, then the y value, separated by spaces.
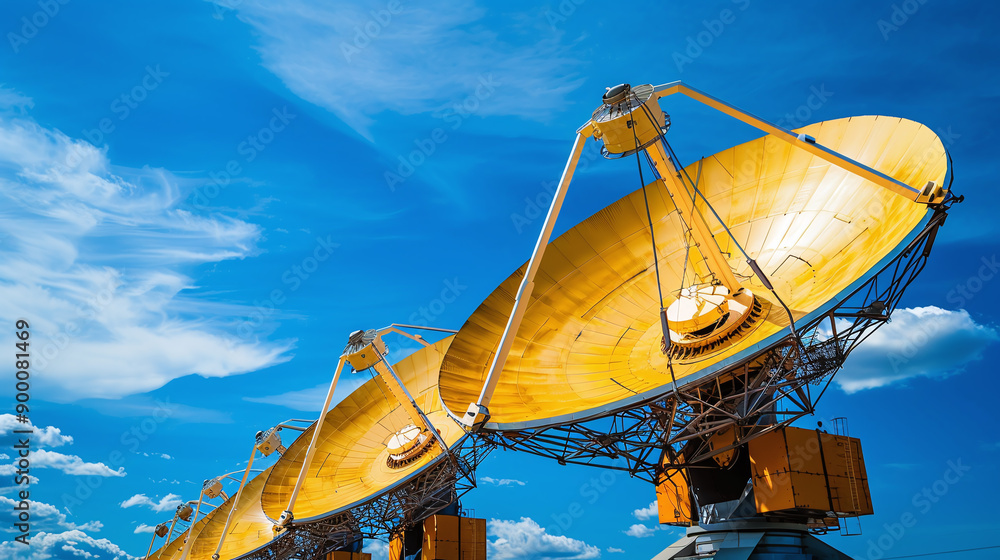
pixel 249 528
pixel 367 445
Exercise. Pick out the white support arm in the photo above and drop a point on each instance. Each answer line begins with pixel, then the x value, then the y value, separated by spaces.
pixel 527 285
pixel 189 540
pixel 236 502
pixel 799 141
pixel 286 515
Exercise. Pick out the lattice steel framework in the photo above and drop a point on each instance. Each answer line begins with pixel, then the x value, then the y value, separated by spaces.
pixel 768 391
pixel 439 485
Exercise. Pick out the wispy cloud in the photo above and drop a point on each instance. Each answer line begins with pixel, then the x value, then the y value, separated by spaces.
pixel 71 464
pixel 159 455
pixel 918 342
pixel 93 256
pixel 527 540
pixel 166 503
pixel 501 481
pixel 13 101
pixel 311 400
pixel 360 59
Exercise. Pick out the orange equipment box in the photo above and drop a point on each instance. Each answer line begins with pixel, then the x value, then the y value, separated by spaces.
pixel 795 468
pixel 345 555
pixel 449 537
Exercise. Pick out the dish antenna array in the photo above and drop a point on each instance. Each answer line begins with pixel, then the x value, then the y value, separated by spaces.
pixel 676 335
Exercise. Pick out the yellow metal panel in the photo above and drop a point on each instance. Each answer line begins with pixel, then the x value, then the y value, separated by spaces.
pixel 396 548
pixel 350 463
pixel 593 315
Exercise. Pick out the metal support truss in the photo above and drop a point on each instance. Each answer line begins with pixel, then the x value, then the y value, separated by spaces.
pixel 439 485
pixel 768 391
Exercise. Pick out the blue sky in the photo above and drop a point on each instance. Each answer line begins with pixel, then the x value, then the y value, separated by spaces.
pixel 201 200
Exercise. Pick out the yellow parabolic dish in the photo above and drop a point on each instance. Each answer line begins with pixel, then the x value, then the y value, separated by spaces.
pixel 591 339
pixel 351 460
pixel 248 530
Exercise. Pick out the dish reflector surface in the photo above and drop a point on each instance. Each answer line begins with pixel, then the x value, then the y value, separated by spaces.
pixel 590 340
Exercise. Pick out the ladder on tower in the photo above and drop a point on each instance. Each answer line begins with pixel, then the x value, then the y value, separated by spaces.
pixel 840 429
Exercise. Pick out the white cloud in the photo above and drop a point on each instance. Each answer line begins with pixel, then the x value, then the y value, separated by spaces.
pixel 49 436
pixel 166 503
pixel 62 546
pixel 76 551
pixel 160 455
pixel 378 549
pixel 646 513
pixel 143 528
pixel 11 100
pixel 501 481
pixel 71 464
pixel 640 531
pixel 917 342
pixel 46 516
pixel 423 59
pixel 10 470
pixel 95 256
pixel 526 540
pixel 614 550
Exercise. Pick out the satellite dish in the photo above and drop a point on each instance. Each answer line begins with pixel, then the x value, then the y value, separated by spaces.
pixel 371 471
pixel 248 530
pixel 590 341
pixel 368 444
